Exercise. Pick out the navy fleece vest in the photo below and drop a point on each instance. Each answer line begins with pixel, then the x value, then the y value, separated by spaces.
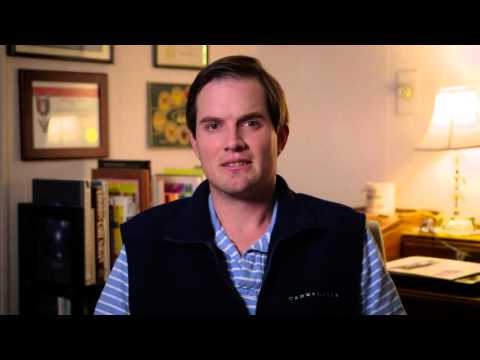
pixel 313 267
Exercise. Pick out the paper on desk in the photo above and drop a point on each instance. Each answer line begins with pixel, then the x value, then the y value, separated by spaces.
pixel 433 267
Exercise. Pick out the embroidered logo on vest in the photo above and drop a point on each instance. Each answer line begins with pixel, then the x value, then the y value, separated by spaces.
pixel 312 294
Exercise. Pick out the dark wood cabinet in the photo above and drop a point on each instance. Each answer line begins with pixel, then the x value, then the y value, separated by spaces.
pixel 418 302
pixel 435 301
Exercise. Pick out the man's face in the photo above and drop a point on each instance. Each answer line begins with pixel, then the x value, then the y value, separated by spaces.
pixel 235 139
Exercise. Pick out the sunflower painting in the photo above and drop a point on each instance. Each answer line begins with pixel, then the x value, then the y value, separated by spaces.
pixel 167 123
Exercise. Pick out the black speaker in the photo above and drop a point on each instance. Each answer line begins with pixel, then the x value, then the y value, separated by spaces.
pixel 52 262
pixel 51 240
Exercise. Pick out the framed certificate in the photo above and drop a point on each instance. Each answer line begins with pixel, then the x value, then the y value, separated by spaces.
pixel 63 115
pixel 180 56
pixel 90 53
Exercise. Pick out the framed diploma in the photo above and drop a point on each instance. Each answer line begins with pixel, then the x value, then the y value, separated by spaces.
pixel 63 115
pixel 90 53
pixel 180 56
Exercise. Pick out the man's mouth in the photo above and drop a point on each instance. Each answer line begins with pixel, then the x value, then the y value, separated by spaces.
pixel 236 163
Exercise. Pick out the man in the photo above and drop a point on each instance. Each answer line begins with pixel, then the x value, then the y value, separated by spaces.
pixel 245 243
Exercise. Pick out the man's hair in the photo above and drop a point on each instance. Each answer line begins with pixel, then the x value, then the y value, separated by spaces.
pixel 238 67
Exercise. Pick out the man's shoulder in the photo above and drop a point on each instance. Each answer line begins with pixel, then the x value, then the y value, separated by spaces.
pixel 309 205
pixel 316 203
pixel 326 211
pixel 160 214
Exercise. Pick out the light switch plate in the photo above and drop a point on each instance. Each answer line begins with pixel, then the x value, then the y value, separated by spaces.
pixel 407 92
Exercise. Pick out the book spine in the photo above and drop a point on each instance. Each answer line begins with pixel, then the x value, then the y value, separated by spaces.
pixel 89 237
pixel 64 306
pixel 98 202
pixel 113 234
pixel 68 307
pixel 106 227
pixel 158 190
pixel 60 305
pixel 124 208
pixel 118 217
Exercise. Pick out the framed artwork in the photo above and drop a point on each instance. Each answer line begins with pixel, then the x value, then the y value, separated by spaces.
pixel 130 183
pixel 63 115
pixel 90 53
pixel 180 56
pixel 167 122
pixel 174 184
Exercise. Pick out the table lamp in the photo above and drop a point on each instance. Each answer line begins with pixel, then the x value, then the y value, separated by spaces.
pixel 455 125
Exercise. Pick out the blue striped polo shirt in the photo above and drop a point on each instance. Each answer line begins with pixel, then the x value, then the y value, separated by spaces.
pixel 378 293
pixel 245 270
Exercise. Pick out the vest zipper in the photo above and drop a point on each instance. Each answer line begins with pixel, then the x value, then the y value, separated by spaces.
pixel 265 277
pixel 225 279
pixel 221 273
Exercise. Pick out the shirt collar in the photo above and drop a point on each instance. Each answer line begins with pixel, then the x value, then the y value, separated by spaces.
pixel 260 245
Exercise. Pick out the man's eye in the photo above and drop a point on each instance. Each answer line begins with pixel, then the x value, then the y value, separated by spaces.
pixel 251 123
pixel 212 126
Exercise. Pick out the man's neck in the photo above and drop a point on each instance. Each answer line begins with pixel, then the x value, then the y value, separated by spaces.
pixel 244 221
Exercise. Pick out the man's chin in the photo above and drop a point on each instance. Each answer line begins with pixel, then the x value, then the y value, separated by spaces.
pixel 245 191
pixel 238 190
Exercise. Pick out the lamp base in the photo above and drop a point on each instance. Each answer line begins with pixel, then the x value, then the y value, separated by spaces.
pixel 459 225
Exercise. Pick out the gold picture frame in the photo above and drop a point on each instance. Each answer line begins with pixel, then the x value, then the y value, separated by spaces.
pixel 180 56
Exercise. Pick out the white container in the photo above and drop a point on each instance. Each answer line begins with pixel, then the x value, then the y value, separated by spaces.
pixel 380 198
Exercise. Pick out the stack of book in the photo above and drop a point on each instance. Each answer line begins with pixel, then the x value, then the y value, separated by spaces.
pixel 128 190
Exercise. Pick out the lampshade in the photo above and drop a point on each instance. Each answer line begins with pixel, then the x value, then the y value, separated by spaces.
pixel 455 122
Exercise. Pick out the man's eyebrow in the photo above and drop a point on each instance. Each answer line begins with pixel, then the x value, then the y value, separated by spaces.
pixel 254 114
pixel 209 119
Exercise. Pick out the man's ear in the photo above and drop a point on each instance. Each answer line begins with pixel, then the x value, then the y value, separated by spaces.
pixel 193 142
pixel 282 137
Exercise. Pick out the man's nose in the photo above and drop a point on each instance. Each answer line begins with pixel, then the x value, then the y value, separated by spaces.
pixel 234 141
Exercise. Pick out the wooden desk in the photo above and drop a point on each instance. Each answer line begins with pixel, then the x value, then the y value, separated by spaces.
pixel 441 245
pixel 439 303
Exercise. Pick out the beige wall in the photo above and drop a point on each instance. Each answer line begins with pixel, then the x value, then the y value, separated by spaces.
pixel 344 129
pixel 336 97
